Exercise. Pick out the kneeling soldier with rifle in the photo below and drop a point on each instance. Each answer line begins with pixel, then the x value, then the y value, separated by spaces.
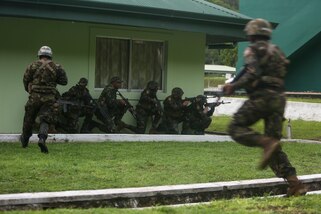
pixel 110 110
pixel 76 103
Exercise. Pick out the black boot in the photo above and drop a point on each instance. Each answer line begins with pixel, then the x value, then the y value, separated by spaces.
pixel 24 141
pixel 42 145
pixel 43 133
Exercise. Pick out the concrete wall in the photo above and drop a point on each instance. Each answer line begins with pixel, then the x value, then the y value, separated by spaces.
pixel 73 46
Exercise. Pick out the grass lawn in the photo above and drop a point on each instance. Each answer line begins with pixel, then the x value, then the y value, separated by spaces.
pixel 300 129
pixel 72 166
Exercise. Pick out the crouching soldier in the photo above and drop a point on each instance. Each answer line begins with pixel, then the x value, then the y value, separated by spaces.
pixel 197 116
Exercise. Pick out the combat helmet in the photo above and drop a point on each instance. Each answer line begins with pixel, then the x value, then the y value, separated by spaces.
pixel 258 27
pixel 45 51
pixel 152 85
pixel 201 99
pixel 177 92
pixel 83 81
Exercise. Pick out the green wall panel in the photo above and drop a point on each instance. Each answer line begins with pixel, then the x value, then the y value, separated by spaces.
pixel 74 47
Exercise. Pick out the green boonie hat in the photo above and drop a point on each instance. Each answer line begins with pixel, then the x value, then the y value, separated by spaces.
pixel 115 79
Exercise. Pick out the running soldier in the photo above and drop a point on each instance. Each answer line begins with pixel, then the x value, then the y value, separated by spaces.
pixel 263 79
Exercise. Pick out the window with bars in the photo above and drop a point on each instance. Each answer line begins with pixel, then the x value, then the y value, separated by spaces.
pixel 136 62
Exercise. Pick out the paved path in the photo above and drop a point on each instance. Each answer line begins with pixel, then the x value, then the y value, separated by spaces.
pixel 293 111
pixel 151 196
pixel 62 138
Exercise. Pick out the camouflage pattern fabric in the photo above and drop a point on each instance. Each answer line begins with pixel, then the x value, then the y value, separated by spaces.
pixel 80 96
pixel 40 80
pixel 109 111
pixel 172 116
pixel 148 106
pixel 196 120
pixel 264 83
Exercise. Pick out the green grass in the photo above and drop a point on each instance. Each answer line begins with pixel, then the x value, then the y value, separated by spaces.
pixel 309 130
pixel 296 205
pixel 72 166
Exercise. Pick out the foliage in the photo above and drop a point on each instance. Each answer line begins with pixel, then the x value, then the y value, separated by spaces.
pixel 223 56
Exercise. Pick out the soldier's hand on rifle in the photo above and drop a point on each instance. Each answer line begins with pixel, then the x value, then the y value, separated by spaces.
pixel 206 109
pixel 186 103
pixel 228 89
pixel 122 102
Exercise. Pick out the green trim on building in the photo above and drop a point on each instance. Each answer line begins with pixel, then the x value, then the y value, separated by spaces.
pixel 220 24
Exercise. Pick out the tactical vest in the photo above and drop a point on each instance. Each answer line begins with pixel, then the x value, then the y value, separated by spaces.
pixel 271 66
pixel 44 77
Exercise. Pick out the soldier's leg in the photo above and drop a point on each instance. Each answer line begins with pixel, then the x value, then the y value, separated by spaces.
pixel 43 134
pixel 279 162
pixel 31 111
pixel 142 118
pixel 240 131
pixel 48 115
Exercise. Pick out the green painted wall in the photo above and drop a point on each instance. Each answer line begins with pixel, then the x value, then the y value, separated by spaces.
pixel 296 34
pixel 73 46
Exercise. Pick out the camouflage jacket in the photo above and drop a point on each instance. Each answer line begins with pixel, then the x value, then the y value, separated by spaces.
pixel 43 77
pixel 148 101
pixel 174 108
pixel 265 66
pixel 78 94
pixel 108 97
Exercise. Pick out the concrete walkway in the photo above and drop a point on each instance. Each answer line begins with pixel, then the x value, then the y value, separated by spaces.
pixel 94 138
pixel 152 196
pixel 293 110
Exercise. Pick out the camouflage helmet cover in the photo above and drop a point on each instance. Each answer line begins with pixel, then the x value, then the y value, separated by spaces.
pixel 152 85
pixel 83 81
pixel 201 99
pixel 115 79
pixel 177 91
pixel 45 51
pixel 258 27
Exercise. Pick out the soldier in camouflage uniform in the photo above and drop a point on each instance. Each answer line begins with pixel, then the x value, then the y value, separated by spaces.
pixel 110 110
pixel 197 116
pixel 148 106
pixel 263 79
pixel 40 81
pixel 82 106
pixel 174 109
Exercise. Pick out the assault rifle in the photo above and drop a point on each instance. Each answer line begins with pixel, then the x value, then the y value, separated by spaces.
pixel 128 105
pixel 66 103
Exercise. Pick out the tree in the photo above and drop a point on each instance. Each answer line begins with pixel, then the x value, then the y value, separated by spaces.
pixel 223 56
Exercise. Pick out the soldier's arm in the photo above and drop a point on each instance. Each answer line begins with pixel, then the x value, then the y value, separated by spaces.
pixel 61 76
pixel 27 78
pixel 252 70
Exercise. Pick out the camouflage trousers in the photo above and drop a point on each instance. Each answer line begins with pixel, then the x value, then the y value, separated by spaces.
pixel 142 119
pixel 270 108
pixel 196 126
pixel 169 125
pixel 43 106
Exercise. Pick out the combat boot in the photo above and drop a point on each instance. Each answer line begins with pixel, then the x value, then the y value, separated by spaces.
pixel 270 146
pixel 296 187
pixel 42 145
pixel 24 141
